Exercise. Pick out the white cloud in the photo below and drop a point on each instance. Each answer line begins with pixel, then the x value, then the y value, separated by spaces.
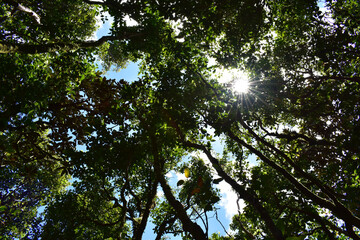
pixel 130 22
pixel 229 200
pixel 175 176
pixel 180 176
pixel 170 174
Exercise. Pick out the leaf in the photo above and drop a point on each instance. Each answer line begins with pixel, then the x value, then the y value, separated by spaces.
pixel 208 208
pixel 217 181
pixel 64 172
pixel 180 182
pixel 187 172
pixel 215 199
pixel 196 190
pixel 200 182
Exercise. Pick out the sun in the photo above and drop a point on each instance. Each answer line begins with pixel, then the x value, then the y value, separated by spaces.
pixel 236 79
pixel 241 84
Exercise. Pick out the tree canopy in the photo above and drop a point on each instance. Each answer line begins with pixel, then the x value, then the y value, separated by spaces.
pixel 94 153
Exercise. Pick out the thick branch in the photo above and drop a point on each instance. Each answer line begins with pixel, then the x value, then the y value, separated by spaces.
pixel 299 170
pixel 95 2
pixel 244 194
pixel 340 78
pixel 322 221
pixel 295 135
pixel 24 9
pixel 189 226
pixel 162 227
pixel 112 4
pixel 339 210
pixel 26 48
pixel 248 233
pixel 146 212
pixel 193 228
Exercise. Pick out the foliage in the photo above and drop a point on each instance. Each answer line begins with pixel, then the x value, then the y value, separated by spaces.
pixel 119 141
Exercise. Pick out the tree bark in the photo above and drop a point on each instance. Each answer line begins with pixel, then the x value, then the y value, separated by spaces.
pixel 27 48
pixel 162 227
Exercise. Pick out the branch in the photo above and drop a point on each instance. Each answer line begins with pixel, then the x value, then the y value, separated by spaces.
pixel 293 135
pixel 244 194
pixel 222 225
pixel 344 78
pixel 189 226
pixel 145 214
pixel 323 221
pixel 338 209
pixel 94 2
pixel 205 222
pixel 25 48
pixel 24 9
pixel 193 228
pixel 162 227
pixel 113 4
pixel 244 228
pixel 304 174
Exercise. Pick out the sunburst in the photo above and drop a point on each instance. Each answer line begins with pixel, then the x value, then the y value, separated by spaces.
pixel 241 84
pixel 238 80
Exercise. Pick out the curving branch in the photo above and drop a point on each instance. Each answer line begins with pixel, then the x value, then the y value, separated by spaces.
pixel 244 194
pixel 110 4
pixel 248 233
pixel 337 78
pixel 95 2
pixel 335 206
